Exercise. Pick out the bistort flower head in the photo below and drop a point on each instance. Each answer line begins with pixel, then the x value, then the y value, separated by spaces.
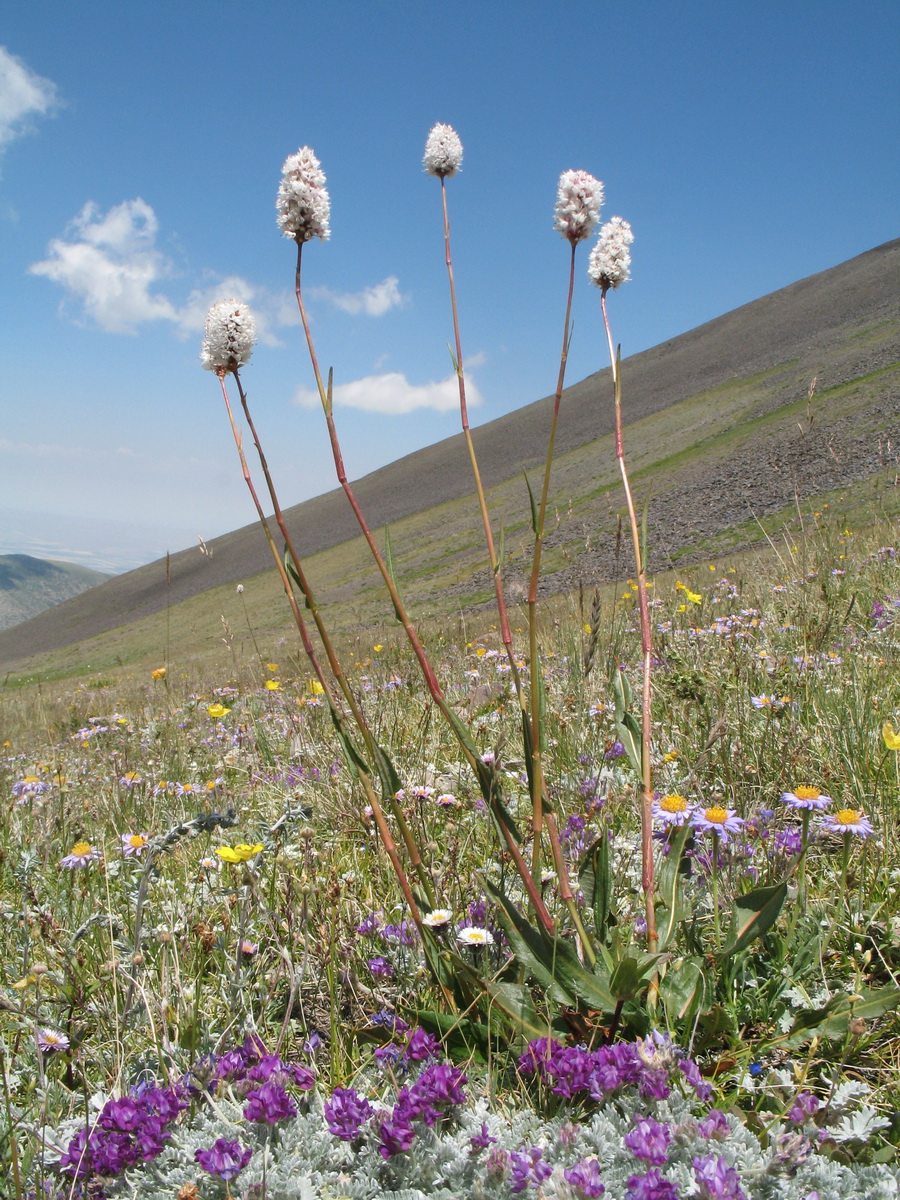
pixel 443 152
pixel 228 339
pixel 303 203
pixel 610 261
pixel 578 200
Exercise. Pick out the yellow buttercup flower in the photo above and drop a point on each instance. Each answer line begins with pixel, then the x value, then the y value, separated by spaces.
pixel 273 685
pixel 159 673
pixel 240 853
pixel 217 710
pixel 316 688
pixel 694 597
pixel 271 666
pixel 891 737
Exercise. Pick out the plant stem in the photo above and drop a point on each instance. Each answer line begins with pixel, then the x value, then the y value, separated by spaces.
pixel 496 567
pixel 646 648
pixel 537 771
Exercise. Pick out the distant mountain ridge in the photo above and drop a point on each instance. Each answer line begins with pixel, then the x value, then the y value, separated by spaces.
pixel 29 586
pixel 826 318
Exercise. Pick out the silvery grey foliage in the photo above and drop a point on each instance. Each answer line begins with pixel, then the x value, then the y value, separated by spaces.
pixel 300 1159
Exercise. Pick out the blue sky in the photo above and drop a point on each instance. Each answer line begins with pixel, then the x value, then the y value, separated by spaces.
pixel 140 153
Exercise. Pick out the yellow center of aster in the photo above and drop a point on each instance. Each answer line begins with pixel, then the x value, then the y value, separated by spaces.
pixel 847 816
pixel 716 815
pixel 804 792
pixel 673 803
pixel 137 840
pixel 81 849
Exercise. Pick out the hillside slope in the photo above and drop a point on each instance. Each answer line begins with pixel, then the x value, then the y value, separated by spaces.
pixel 842 325
pixel 30 585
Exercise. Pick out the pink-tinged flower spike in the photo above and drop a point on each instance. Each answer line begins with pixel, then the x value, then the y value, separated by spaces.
pixel 228 338
pixel 578 200
pixel 610 260
pixel 443 152
pixel 303 203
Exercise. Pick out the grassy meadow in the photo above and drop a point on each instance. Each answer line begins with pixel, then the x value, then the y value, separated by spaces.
pixel 188 859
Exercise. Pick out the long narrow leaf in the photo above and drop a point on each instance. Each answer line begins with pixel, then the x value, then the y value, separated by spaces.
pixel 752 915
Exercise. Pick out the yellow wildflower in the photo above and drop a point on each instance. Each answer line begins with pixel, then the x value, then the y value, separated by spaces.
pixel 891 737
pixel 159 673
pixel 273 685
pixel 240 853
pixel 217 710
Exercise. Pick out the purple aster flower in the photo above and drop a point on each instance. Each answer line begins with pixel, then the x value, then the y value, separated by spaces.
pixel 652 1186
pixel 50 1040
pixel 269 1103
pixel 806 797
pixel 716 819
pixel 380 968
pixel 672 809
pixel 716 1179
pixel 225 1159
pixel 847 821
pixel 616 750
pixel 527 1169
pixel 346 1112
pixel 649 1140
pixel 584 1177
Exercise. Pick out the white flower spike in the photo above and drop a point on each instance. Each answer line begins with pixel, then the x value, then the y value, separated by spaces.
pixel 229 337
pixel 303 203
pixel 610 259
pixel 443 152
pixel 578 200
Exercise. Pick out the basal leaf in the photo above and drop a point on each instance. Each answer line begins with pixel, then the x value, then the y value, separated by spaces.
pixel 752 914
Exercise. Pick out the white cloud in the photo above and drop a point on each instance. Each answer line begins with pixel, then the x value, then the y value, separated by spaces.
pixel 22 95
pixel 373 301
pixel 266 307
pixel 392 393
pixel 111 264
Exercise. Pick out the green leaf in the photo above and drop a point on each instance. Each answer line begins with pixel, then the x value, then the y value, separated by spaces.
pixel 552 961
pixel 628 731
pixel 514 1001
pixel 531 501
pixel 595 880
pixel 672 907
pixel 625 981
pixel 685 991
pixel 462 1038
pixel 752 915
pixel 530 949
pixel 833 1019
